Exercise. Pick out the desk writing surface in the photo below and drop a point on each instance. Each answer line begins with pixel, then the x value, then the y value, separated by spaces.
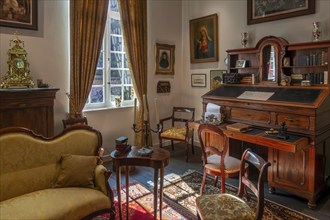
pixel 294 95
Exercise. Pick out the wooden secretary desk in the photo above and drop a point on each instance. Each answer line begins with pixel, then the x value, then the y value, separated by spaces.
pixel 301 164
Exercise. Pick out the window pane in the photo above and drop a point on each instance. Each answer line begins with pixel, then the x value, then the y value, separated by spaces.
pixel 127 77
pixel 115 77
pixel 128 93
pixel 100 63
pixel 98 78
pixel 115 26
pixel 116 43
pixel 114 91
pixel 114 5
pixel 116 59
pixel 125 61
pixel 97 95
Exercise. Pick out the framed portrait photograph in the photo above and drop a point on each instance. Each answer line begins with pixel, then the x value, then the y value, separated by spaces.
pixel 240 63
pixel 164 59
pixel 198 80
pixel 19 14
pixel 268 10
pixel 216 78
pixel 204 39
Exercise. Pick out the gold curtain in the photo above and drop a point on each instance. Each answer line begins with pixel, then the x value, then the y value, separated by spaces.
pixel 87 24
pixel 134 25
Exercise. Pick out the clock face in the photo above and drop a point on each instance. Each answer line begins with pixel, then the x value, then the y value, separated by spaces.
pixel 20 64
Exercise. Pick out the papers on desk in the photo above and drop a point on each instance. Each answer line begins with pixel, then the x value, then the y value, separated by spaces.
pixel 212 113
pixel 262 96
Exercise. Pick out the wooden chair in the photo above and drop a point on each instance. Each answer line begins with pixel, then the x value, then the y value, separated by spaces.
pixel 216 162
pixel 227 206
pixel 74 121
pixel 179 130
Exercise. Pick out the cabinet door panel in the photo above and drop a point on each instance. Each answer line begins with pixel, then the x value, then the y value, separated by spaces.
pixel 290 168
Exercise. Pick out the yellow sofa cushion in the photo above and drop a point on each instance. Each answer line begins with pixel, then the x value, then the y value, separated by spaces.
pixel 77 170
pixel 57 203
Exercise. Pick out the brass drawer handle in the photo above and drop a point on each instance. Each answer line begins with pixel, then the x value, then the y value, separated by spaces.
pixel 290 120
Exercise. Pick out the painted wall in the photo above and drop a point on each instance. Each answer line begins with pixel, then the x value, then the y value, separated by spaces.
pixel 232 22
pixel 168 22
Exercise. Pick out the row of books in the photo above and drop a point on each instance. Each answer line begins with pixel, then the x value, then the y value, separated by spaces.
pixel 319 59
pixel 314 78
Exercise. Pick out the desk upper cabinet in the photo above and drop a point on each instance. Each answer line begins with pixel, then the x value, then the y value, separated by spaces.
pixel 274 61
pixel 30 108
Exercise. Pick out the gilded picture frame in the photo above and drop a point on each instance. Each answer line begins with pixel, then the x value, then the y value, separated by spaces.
pixel 216 78
pixel 204 39
pixel 198 80
pixel 164 59
pixel 259 11
pixel 23 15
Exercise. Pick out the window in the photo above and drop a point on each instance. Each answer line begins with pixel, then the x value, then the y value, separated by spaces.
pixel 112 78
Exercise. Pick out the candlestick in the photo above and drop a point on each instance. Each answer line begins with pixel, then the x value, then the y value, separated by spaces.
pixel 135 111
pixel 145 113
pixel 156 110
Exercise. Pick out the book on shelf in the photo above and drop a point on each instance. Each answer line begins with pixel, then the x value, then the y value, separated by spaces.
pixel 239 127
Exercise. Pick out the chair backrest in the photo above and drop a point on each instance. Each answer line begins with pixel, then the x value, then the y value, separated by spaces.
pixel 219 147
pixel 257 188
pixel 74 121
pixel 182 114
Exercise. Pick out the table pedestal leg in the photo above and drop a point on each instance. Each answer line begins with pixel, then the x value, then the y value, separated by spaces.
pixel 118 177
pixel 161 192
pixel 155 192
pixel 127 190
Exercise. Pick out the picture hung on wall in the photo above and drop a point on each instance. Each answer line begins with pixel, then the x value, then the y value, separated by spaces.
pixel 268 10
pixel 19 14
pixel 198 80
pixel 204 39
pixel 216 78
pixel 164 59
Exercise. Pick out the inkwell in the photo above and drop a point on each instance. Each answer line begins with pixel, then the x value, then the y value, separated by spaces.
pixel 282 132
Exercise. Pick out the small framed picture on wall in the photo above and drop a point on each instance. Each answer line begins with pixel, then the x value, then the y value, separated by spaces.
pixel 198 80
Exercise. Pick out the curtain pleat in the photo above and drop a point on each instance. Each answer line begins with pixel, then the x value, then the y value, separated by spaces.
pixel 87 24
pixel 134 25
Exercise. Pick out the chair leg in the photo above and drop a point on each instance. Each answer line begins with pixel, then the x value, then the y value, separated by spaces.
pixel 203 184
pixel 172 144
pixel 187 154
pixel 223 184
pixel 192 144
pixel 215 181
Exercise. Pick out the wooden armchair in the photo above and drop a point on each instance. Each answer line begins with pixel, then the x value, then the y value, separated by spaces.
pixel 179 130
pixel 227 206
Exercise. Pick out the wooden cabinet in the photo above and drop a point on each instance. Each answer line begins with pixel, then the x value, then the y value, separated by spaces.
pixel 274 61
pixel 30 108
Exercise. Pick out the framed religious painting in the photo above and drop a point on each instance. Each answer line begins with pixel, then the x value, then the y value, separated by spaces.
pixel 198 80
pixel 164 59
pixel 268 10
pixel 216 78
pixel 204 39
pixel 19 14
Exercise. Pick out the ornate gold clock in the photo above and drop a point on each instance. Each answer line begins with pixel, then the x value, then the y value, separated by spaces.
pixel 18 72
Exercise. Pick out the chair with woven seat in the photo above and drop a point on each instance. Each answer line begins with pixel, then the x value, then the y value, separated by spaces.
pixel 178 130
pixel 216 162
pixel 227 206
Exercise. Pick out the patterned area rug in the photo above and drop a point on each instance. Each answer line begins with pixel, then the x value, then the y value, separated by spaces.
pixel 180 193
pixel 184 190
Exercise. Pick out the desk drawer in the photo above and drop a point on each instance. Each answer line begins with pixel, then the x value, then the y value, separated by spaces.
pixel 250 115
pixel 293 121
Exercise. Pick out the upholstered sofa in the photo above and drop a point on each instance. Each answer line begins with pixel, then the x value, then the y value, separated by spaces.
pixel 57 178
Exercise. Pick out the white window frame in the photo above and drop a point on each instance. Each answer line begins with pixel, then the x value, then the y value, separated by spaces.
pixel 106 51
